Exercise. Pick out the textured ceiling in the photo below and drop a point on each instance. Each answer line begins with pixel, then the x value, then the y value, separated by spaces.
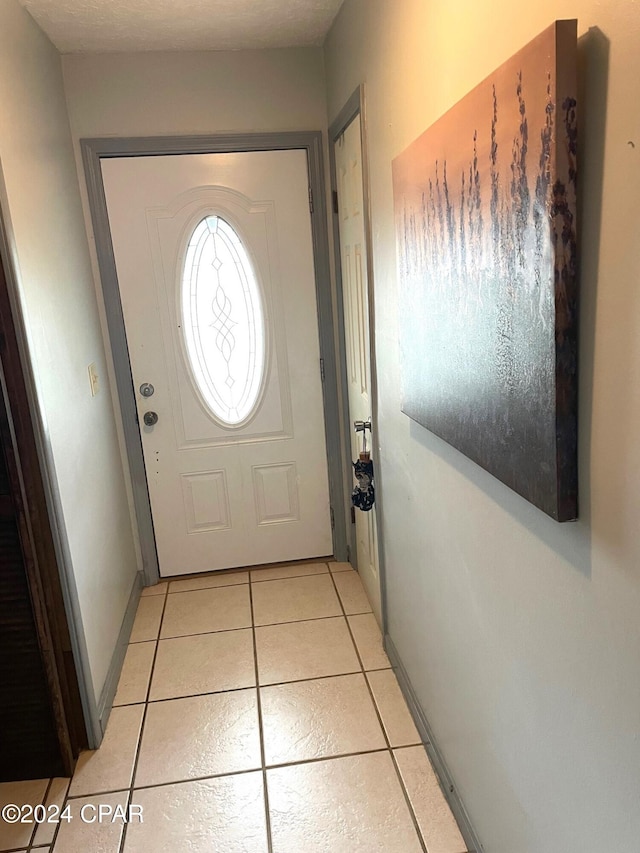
pixel 97 26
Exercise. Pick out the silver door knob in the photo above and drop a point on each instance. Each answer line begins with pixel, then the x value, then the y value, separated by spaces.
pixel 150 418
pixel 361 426
pixel 147 389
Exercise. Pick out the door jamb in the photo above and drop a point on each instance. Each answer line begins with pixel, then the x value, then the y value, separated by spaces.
pixel 356 105
pixel 93 150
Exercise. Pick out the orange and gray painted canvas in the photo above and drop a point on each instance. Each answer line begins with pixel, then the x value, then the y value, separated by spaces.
pixel 485 209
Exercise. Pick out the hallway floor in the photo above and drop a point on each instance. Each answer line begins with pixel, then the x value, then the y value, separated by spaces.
pixel 321 757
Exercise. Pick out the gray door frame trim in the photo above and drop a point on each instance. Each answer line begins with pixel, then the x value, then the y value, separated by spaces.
pixel 356 105
pixel 93 151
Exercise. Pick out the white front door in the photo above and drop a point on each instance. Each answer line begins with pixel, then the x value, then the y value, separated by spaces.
pixel 214 258
pixel 353 253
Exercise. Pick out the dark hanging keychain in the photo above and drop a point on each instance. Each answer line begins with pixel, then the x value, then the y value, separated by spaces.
pixel 363 495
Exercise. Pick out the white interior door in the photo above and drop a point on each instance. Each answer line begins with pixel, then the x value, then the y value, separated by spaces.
pixel 214 259
pixel 353 252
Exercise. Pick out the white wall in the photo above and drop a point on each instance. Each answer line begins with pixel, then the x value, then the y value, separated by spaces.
pixel 42 211
pixel 521 636
pixel 201 92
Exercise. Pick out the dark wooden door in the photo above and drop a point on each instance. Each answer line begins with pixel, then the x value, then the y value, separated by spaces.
pixel 28 740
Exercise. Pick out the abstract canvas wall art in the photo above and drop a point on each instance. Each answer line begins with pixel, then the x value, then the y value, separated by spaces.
pixel 485 212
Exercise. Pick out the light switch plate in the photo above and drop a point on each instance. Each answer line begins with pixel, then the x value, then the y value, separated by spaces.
pixel 93 379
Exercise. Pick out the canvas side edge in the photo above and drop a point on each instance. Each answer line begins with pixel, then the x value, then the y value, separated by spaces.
pixel 564 228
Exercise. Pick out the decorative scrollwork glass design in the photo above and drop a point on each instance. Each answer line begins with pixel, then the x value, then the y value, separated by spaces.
pixel 223 321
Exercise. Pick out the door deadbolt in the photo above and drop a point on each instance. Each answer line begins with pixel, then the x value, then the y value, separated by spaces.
pixel 150 418
pixel 147 389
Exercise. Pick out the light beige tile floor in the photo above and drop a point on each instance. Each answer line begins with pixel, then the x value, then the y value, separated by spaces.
pixel 256 713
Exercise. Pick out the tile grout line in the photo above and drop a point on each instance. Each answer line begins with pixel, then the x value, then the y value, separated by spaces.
pixel 263 761
pixel 251 686
pixel 201 588
pixel 408 800
pixel 382 726
pixel 318 760
pixel 65 802
pixel 36 826
pixel 239 570
pixel 134 769
pixel 291 577
pixel 245 627
pixel 280 766
pixel 241 583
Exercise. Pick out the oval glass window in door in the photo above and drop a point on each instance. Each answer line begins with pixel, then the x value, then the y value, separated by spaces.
pixel 224 328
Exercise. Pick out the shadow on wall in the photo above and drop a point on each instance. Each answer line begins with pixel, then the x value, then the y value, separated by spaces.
pixel 593 78
pixel 572 541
